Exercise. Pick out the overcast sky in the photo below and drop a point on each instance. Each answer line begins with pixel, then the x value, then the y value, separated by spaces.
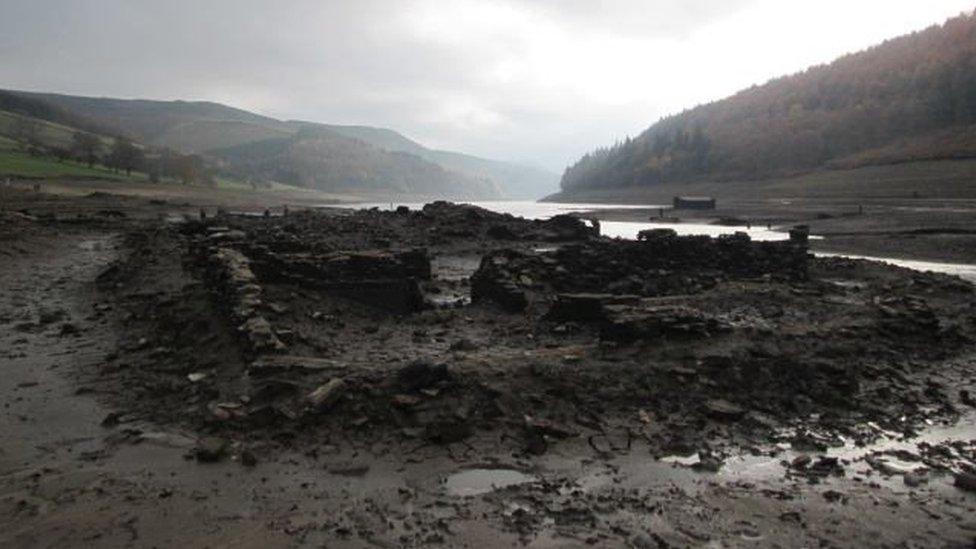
pixel 540 81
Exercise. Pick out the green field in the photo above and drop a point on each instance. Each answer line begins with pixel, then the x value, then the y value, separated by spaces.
pixel 18 164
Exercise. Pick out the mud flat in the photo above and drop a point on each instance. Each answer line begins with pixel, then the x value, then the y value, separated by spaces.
pixel 449 375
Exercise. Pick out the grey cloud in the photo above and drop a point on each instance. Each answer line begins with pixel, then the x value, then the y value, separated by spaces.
pixel 356 61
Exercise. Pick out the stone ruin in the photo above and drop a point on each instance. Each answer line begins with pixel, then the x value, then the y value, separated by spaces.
pixel 619 284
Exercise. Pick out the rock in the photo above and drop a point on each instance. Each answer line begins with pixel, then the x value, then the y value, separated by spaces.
pixel 965 481
pixel 260 335
pixel 833 496
pixel 405 401
pixel 248 459
pixel 628 323
pixel 112 419
pixel 709 463
pixel 801 461
pixel 501 232
pixel 227 236
pixel 447 431
pixel 327 395
pixel 915 479
pixel 464 345
pixel 586 307
pixel 724 410
pixel 421 375
pixel 549 428
pixel 643 541
pixel 211 449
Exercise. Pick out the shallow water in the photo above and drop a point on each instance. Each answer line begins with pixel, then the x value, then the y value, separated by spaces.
pixel 526 209
pixel 628 229
pixel 962 270
pixel 473 482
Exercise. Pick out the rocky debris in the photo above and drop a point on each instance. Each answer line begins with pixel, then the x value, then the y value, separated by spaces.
pixel 493 282
pixel 383 279
pixel 276 364
pixel 966 481
pixel 467 221
pixel 629 317
pixel 628 323
pixel 660 264
pixel 724 410
pixel 587 307
pixel 716 340
pixel 327 395
pixel 342 266
pixel 231 273
pixel 422 375
pixel 211 449
pixel 248 459
pixel 564 227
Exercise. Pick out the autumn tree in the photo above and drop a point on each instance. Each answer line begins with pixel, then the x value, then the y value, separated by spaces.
pixel 125 156
pixel 86 147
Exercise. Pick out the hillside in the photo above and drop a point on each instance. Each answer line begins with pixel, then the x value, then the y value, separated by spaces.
pixel 909 99
pixel 210 128
pixel 516 181
pixel 319 159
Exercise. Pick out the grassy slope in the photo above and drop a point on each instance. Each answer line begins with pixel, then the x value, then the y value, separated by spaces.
pixel 18 164
pixel 49 133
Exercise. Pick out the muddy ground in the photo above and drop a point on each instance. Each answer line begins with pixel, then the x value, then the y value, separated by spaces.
pixel 455 377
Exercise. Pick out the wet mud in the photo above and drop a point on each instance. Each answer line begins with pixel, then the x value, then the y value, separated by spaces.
pixel 457 377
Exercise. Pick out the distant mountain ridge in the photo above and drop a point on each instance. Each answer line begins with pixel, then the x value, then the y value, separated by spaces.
pixel 907 99
pixel 219 131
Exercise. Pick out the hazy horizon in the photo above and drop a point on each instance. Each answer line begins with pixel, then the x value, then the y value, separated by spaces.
pixel 535 82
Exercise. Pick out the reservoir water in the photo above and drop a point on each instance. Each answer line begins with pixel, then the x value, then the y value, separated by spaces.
pixel 629 230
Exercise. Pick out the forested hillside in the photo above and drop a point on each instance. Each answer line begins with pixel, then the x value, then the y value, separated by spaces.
pixel 910 98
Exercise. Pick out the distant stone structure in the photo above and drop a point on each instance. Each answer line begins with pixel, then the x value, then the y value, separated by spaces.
pixel 694 203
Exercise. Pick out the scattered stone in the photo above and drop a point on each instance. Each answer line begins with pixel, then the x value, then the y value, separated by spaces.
pixel 327 395
pixel 916 478
pixel 421 375
pixel 724 410
pixel 965 481
pixel 248 459
pixel 211 449
pixel 112 419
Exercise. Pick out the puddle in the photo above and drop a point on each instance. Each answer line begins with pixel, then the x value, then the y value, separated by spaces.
pixel 885 450
pixel 962 270
pixel 474 482
pixel 451 274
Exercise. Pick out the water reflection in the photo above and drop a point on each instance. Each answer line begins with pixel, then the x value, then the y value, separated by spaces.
pixel 628 230
pixel 526 209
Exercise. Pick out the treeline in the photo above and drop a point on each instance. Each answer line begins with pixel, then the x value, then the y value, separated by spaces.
pixel 119 154
pixel 910 98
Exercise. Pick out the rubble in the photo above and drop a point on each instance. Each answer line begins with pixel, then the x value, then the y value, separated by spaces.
pixel 232 276
pixel 327 395
pixel 966 481
pixel 716 340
